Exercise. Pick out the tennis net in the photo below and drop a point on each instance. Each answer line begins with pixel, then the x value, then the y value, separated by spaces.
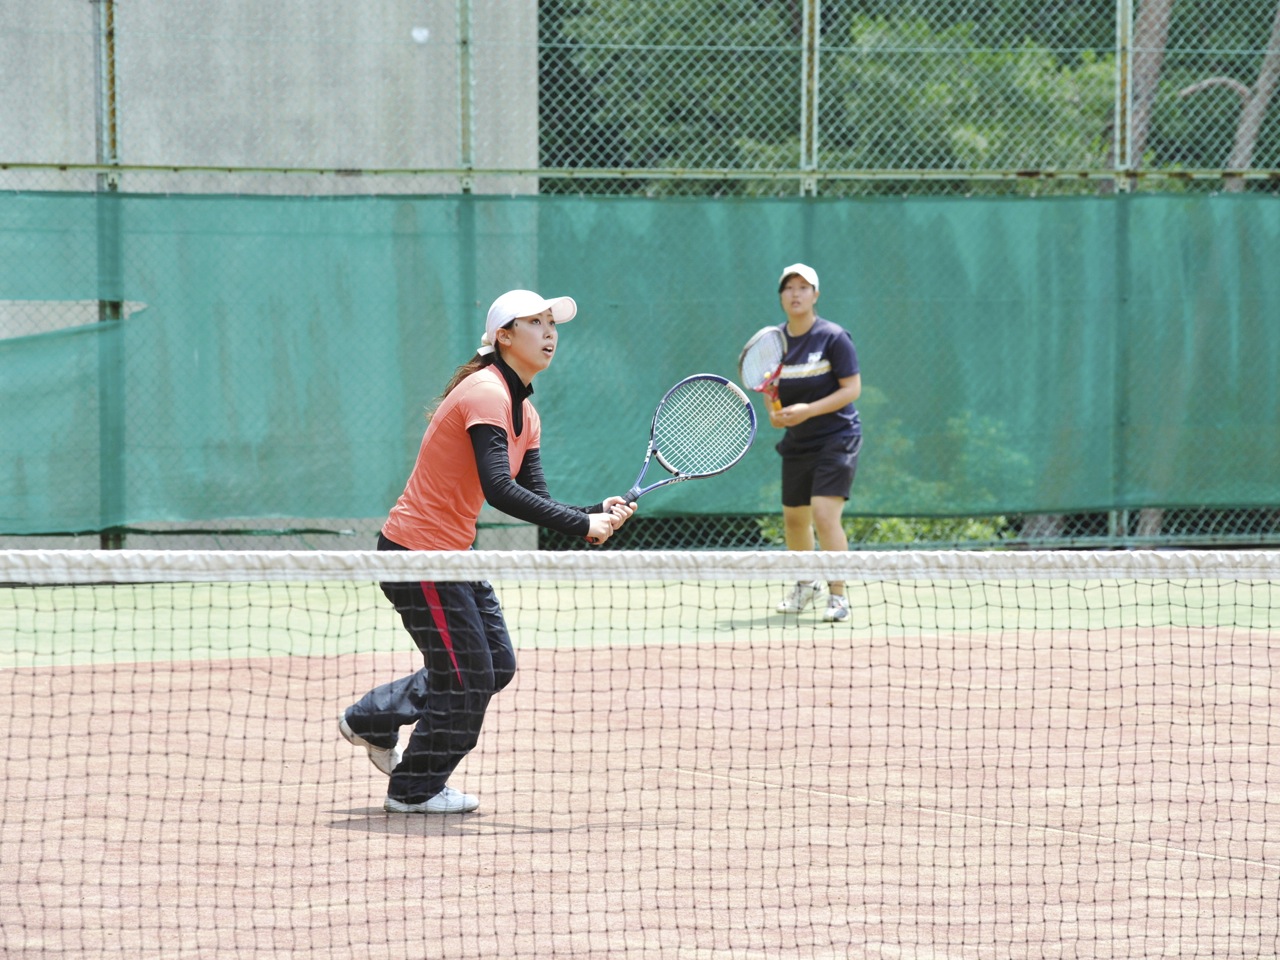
pixel 1004 755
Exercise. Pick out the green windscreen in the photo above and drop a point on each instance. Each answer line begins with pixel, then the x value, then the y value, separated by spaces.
pixel 274 357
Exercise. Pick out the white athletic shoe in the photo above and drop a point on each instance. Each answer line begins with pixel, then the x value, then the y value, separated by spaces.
pixel 385 759
pixel 447 800
pixel 799 596
pixel 837 609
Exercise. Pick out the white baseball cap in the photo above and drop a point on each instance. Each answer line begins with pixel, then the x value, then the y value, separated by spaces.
pixel 809 274
pixel 522 303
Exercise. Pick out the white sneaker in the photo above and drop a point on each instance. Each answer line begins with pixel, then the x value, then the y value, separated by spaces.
pixel 447 800
pixel 385 759
pixel 837 608
pixel 799 596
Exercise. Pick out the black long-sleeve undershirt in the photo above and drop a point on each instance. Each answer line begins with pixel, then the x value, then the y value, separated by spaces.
pixel 524 497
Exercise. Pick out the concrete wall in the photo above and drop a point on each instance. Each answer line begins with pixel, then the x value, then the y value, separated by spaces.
pixel 379 84
pixel 47 90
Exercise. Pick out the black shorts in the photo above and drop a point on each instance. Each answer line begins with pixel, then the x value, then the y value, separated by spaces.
pixel 827 472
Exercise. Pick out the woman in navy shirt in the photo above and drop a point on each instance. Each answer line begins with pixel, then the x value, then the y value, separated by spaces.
pixel 820 381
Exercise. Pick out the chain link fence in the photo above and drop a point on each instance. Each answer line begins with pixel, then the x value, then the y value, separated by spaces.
pixel 648 98
pixel 911 97
pixel 825 97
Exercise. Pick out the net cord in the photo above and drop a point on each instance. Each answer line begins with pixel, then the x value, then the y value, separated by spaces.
pixel 44 567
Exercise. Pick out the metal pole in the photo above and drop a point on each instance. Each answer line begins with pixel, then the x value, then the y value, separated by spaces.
pixel 1123 142
pixel 466 107
pixel 1118 520
pixel 467 244
pixel 111 432
pixel 809 96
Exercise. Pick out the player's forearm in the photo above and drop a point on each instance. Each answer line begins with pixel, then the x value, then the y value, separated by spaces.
pixel 832 402
pixel 528 502
pixel 516 501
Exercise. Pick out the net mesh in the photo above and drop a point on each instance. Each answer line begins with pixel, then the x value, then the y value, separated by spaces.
pixel 1011 754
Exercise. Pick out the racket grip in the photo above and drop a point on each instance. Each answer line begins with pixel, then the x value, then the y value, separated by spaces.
pixel 771 396
pixel 632 495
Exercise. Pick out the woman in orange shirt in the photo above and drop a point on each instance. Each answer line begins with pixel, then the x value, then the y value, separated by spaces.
pixel 481 444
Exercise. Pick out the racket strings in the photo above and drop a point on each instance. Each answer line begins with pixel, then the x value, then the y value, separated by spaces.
pixel 702 427
pixel 759 361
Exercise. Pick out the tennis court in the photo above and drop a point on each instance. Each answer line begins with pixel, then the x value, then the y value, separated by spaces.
pixel 968 769
pixel 246 246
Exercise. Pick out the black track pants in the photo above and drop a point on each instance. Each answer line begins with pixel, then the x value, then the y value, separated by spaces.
pixel 468 657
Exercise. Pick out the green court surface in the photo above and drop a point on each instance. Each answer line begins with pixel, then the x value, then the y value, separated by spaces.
pixel 70 625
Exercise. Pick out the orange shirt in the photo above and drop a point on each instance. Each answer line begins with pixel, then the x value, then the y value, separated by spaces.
pixel 442 497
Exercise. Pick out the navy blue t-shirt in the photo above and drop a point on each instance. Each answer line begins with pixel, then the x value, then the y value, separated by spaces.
pixel 812 368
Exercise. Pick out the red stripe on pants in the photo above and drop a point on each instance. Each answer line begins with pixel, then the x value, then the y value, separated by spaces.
pixel 437 615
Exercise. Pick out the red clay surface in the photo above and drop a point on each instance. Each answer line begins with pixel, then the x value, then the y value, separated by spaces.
pixel 972 796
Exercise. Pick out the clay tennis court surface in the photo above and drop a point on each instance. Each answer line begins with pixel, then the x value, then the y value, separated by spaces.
pixel 806 794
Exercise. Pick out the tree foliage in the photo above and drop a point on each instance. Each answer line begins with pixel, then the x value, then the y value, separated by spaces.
pixel 904 85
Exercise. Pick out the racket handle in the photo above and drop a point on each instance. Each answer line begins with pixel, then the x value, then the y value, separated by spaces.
pixel 771 396
pixel 632 495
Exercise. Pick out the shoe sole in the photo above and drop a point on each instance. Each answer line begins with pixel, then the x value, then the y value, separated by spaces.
pixel 397 806
pixel 386 760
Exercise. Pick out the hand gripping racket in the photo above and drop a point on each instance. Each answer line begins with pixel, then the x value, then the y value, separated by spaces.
pixel 703 426
pixel 760 364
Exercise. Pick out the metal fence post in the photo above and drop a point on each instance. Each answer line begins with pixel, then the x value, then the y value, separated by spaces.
pixel 466 159
pixel 810 88
pixel 111 427
pixel 1123 134
pixel 466 108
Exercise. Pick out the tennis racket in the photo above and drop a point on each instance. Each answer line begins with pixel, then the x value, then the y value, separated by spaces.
pixel 703 426
pixel 760 364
